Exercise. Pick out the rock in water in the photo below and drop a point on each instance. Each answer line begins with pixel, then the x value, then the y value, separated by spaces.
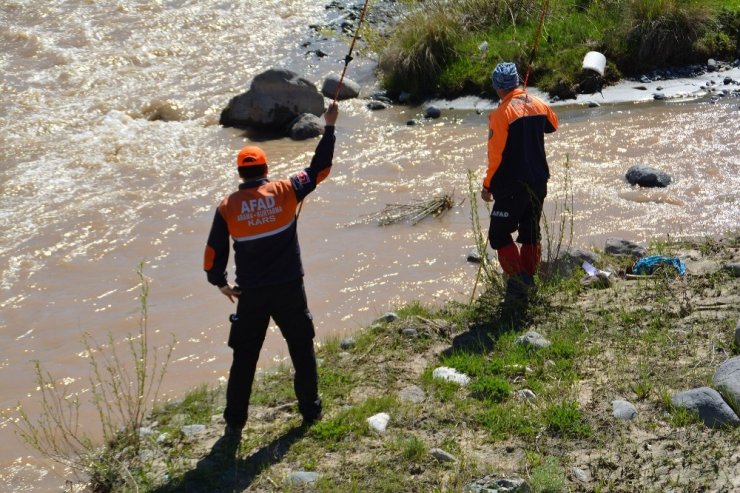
pixel 306 126
pixel 275 99
pixel 350 89
pixel 645 176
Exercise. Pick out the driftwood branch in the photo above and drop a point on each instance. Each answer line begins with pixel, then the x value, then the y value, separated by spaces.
pixel 413 212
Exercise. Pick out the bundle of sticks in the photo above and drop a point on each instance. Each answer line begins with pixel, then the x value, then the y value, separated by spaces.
pixel 413 212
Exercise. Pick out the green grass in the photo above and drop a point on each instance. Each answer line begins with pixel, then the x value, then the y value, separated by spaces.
pixel 435 49
pixel 566 419
pixel 548 476
pixel 630 341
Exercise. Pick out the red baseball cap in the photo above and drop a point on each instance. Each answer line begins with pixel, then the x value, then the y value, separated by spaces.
pixel 251 156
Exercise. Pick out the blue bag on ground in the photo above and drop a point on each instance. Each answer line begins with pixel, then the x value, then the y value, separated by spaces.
pixel 647 265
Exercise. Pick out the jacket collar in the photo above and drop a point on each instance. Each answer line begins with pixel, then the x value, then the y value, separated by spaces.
pixel 253 183
pixel 517 92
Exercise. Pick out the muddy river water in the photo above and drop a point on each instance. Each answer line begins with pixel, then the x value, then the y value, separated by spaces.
pixel 91 185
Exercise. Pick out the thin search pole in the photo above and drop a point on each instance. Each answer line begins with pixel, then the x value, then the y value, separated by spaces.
pixel 545 5
pixel 347 59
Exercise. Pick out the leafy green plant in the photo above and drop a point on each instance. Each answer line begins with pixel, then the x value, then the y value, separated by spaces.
pixel 491 388
pixel 566 419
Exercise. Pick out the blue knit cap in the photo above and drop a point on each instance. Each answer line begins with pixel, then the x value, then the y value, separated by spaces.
pixel 505 76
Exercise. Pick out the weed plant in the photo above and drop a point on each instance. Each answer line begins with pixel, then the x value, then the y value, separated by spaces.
pixel 123 391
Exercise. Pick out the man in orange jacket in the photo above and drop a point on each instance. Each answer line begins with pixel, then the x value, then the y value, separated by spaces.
pixel 261 219
pixel 516 180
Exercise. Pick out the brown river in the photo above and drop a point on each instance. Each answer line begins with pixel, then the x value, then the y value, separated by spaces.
pixel 91 185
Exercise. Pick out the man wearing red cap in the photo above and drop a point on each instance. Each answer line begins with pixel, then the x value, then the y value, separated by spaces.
pixel 261 219
pixel 516 180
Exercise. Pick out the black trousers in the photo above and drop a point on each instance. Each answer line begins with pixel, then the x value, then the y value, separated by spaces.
pixel 518 208
pixel 286 304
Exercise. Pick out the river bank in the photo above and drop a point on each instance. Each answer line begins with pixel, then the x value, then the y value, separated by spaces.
pixel 548 415
pixel 132 96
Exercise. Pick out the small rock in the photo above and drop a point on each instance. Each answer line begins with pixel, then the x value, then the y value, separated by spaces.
pixel 451 375
pixel 733 269
pixel 387 317
pixel 404 97
pixel 569 261
pixel 474 257
pixel 382 97
pixel 410 333
pixel 645 176
pixel 713 411
pixel 526 395
pixel 645 79
pixel 623 410
pixel 624 248
pixel 412 393
pixel 580 474
pixel 727 379
pixel 659 96
pixel 493 484
pixel 376 105
pixel 306 126
pixel 350 89
pixel 218 419
pixel 442 456
pixel 147 455
pixel 483 46
pixel 145 431
pixel 347 343
pixel 728 81
pixel 193 430
pixel 411 122
pixel 299 478
pixel 533 339
pixel 320 53
pixel 432 112
pixel 379 422
pixel 164 437
pixel 593 104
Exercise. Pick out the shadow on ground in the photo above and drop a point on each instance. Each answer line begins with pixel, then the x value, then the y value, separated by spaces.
pixel 222 472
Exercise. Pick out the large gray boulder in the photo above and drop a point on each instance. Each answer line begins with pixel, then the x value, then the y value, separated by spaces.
pixel 275 99
pixel 727 380
pixel 645 176
pixel 350 89
pixel 712 409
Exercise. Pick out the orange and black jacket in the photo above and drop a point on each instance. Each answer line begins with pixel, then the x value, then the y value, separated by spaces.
pixel 516 141
pixel 260 218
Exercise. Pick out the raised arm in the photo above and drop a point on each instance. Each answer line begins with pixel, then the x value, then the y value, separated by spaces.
pixel 305 181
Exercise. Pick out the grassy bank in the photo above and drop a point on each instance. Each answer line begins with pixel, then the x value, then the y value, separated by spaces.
pixel 450 47
pixel 639 340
